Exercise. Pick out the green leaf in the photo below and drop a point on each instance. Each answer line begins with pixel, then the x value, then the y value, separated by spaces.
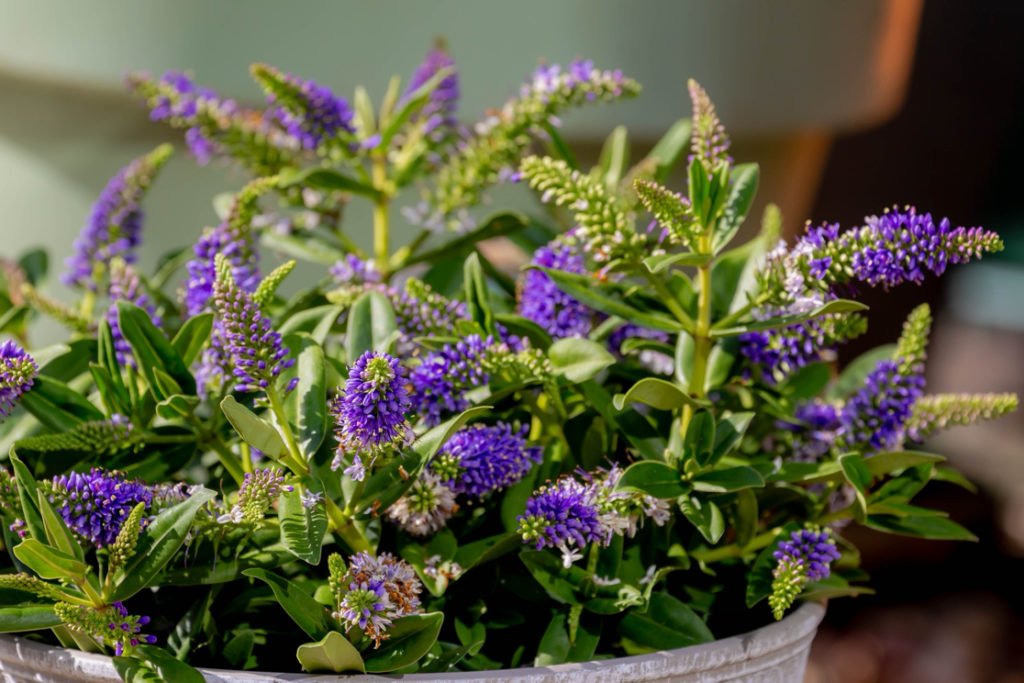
pixel 579 359
pixel 745 516
pixel 809 381
pixel 310 397
pixel 409 638
pixel 524 327
pixel 699 441
pixel 306 248
pixel 239 648
pixel 560 582
pixel 302 528
pixel 554 645
pixel 35 263
pixel 920 526
pixel 834 586
pixel 164 665
pixel 48 562
pixel 859 476
pixel 478 301
pixel 653 478
pixel 332 653
pixel 614 158
pixel 834 306
pixel 498 225
pixel 325 179
pixel 728 479
pixel 152 349
pixel 58 534
pixel 58 406
pixel 177 406
pixel 660 262
pixel 306 612
pixel 888 462
pixel 852 377
pixel 742 188
pixel 28 494
pixel 27 617
pixel 668 623
pixel 656 393
pixel 189 340
pixel 588 290
pixel 316 321
pixel 728 433
pixel 158 543
pixel 705 516
pixel 670 149
pixel 253 430
pixel 371 324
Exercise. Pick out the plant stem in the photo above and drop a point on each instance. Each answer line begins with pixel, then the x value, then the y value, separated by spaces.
pixel 670 300
pixel 380 217
pixel 342 523
pixel 293 458
pixel 228 460
pixel 406 252
pixel 701 334
pixel 739 313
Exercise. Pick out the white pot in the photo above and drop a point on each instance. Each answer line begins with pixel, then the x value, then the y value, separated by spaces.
pixel 776 653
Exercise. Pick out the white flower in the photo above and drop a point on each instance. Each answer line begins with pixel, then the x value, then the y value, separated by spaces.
pixel 649 576
pixel 425 507
pixel 605 581
pixel 569 555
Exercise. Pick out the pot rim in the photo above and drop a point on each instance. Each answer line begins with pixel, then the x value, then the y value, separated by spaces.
pixel 778 640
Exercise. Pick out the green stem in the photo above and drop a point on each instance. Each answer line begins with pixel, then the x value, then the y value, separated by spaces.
pixel 381 249
pixel 739 313
pixel 343 525
pixel 669 299
pixel 228 460
pixel 293 458
pixel 701 333
pixel 404 253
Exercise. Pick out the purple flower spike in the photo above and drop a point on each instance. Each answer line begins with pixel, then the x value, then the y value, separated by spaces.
pixel 370 415
pixel 488 458
pixel 540 300
pixel 815 549
pixel 96 503
pixel 18 371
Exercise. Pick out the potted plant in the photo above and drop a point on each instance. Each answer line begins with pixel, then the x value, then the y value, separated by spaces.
pixel 420 464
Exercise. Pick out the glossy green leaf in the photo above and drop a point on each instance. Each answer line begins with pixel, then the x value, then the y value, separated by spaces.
pixel 307 613
pixel 475 293
pixel 498 225
pixel 158 543
pixel 331 653
pixel 705 516
pixel 58 406
pixel 302 528
pixel 151 348
pixel 670 149
pixel 589 291
pixel 699 440
pixel 304 248
pixel 48 562
pixel 614 158
pixel 579 359
pixel 834 306
pixel 309 405
pixel 409 638
pixel 371 324
pixel 325 179
pixel 656 393
pixel 743 180
pixel 728 479
pixel 937 528
pixel 524 327
pixel 660 262
pixel 253 430
pixel 163 664
pixel 27 617
pixel 177 406
pixel 728 433
pixel 189 340
pixel 668 623
pixel 652 478
pixel 58 534
pixel 560 582
pixel 316 321
pixel 28 494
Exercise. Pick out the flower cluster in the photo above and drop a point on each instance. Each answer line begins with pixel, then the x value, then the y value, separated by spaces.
pixel 896 247
pixel 481 459
pixel 940 411
pixel 111 625
pixel 603 226
pixel 541 301
pixel 259 491
pixel 354 270
pixel 424 509
pixel 654 360
pixel 18 371
pixel 572 513
pixel 490 154
pixel 309 112
pixel 441 380
pixel 815 427
pixel 804 556
pixel 773 355
pixel 709 142
pixel 876 415
pixel 438 114
pixel 373 592
pixel 257 355
pixel 95 504
pixel 114 226
pixel 371 413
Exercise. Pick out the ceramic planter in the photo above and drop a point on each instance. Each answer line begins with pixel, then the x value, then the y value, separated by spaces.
pixel 776 653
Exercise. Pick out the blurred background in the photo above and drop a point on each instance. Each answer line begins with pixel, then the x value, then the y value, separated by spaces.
pixel 849 106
